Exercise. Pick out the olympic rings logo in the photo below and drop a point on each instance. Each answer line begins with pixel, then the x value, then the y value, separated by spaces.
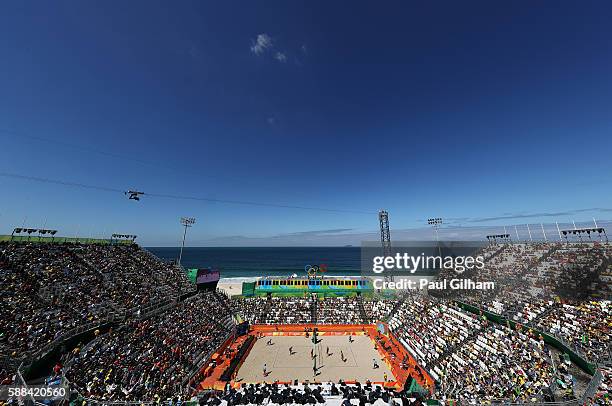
pixel 313 270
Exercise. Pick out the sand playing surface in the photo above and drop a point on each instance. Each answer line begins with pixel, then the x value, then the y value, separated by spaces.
pixel 358 364
pixel 230 288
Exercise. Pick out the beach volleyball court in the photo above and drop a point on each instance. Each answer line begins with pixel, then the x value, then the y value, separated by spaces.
pixel 349 361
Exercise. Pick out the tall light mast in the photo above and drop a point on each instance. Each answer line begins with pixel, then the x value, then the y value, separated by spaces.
pixel 385 236
pixel 186 222
pixel 435 223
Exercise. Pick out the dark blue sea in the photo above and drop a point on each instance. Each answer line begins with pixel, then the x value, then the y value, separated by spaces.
pixel 243 263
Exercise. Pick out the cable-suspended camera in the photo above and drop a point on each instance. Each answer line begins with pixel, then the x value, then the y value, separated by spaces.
pixel 134 195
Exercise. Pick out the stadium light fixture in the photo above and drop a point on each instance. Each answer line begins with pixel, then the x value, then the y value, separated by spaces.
pixel 435 223
pixel 580 231
pixel 505 238
pixel 41 231
pixel 116 237
pixel 186 222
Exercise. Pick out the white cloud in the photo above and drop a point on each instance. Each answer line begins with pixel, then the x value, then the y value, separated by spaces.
pixel 261 44
pixel 264 44
pixel 281 57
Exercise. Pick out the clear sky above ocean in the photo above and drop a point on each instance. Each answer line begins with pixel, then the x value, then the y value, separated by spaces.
pixel 483 113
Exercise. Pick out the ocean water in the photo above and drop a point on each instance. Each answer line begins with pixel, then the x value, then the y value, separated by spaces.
pixel 245 263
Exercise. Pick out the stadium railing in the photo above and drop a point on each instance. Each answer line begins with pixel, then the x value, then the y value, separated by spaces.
pixel 153 308
pixel 607 360
pixel 591 388
pixel 90 401
pixel 205 355
pixel 97 402
pixel 557 343
pixel 179 266
pixel 27 362
pixel 398 304
pixel 586 397
pixel 9 362
pixel 21 382
pixel 510 403
pixel 550 339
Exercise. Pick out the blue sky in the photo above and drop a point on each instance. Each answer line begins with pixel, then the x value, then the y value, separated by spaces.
pixel 484 113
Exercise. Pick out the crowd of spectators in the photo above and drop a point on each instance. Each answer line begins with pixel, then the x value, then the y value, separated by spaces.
pixel 339 394
pixel 277 310
pixel 540 272
pixel 378 310
pixel 430 328
pixel 6 377
pixel 45 293
pixel 498 363
pixel 526 311
pixel 603 394
pixel 151 358
pixel 506 266
pixel 563 288
pixel 339 310
pixel 49 290
pixel 310 309
pixel 329 310
pixel 135 279
pixel 586 326
pixel 475 359
pixel 287 310
pixel 251 309
pixel 226 301
pixel 571 271
pixel 555 287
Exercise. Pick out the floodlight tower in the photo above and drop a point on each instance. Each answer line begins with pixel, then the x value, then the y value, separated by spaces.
pixel 186 222
pixel 435 224
pixel 385 236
